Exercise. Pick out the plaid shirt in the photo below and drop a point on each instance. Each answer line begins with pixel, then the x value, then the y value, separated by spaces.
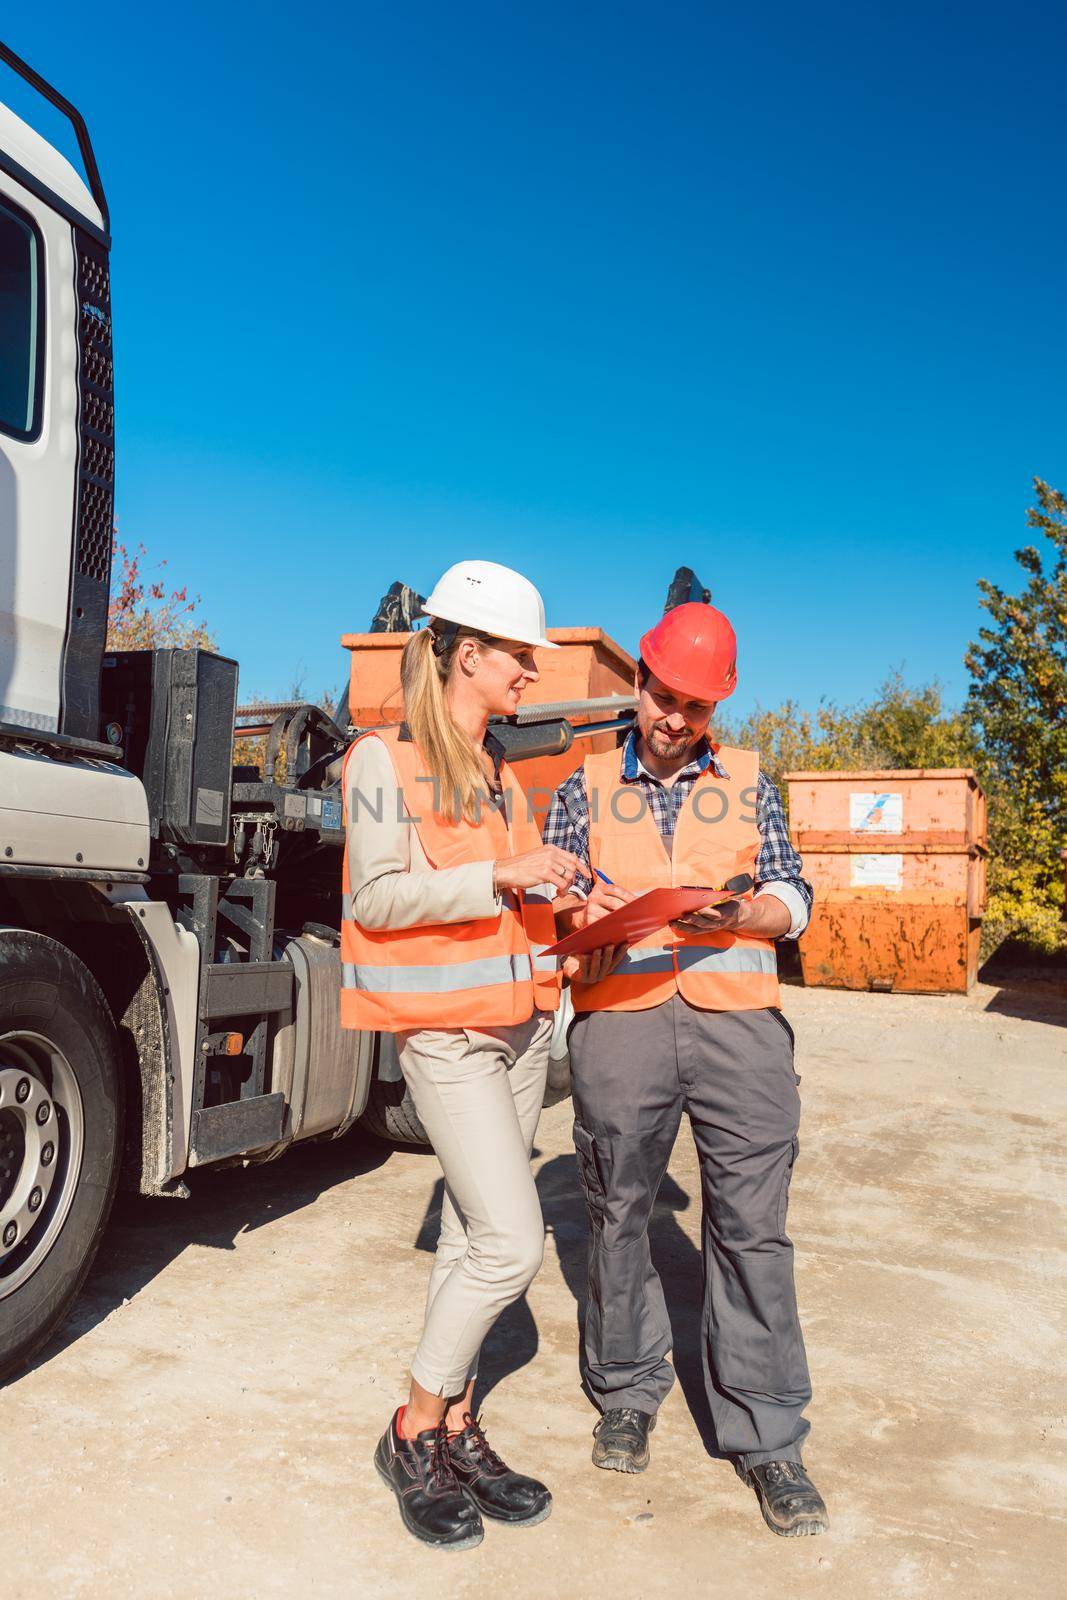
pixel 567 823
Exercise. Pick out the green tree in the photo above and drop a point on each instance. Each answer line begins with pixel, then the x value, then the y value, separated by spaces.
pixel 900 727
pixel 1018 708
pixel 785 736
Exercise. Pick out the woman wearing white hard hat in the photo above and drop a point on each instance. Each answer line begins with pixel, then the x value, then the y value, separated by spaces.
pixel 447 893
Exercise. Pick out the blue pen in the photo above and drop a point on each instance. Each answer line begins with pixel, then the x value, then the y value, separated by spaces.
pixel 603 877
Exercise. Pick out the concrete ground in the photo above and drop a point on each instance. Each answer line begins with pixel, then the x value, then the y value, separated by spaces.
pixel 205 1423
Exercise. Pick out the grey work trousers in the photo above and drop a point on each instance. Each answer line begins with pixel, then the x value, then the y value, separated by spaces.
pixel 479 1095
pixel 633 1074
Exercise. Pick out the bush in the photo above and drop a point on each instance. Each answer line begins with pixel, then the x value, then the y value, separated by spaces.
pixel 901 727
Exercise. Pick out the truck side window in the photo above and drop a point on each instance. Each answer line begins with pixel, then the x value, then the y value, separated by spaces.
pixel 21 326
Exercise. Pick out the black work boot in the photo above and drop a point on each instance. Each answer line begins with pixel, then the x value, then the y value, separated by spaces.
pixel 620 1439
pixel 498 1492
pixel 790 1502
pixel 432 1505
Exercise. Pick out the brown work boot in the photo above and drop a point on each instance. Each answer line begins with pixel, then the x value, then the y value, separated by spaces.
pixel 790 1502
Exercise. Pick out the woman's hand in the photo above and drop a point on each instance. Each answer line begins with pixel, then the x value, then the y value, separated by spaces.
pixel 547 864
pixel 594 966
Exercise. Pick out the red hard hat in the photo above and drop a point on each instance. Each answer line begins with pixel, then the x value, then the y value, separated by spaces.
pixel 693 650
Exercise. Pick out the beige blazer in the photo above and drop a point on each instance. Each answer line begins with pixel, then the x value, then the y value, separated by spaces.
pixel 391 882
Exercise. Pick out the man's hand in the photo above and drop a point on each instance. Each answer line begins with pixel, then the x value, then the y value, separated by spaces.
pixel 575 911
pixel 602 899
pixel 726 917
pixel 594 966
pixel 765 917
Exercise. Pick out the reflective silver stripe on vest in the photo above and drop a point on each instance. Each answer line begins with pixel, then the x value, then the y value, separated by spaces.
pixel 348 904
pixel 652 959
pixel 543 963
pixel 446 979
pixel 543 895
pixel 644 962
pixel 736 958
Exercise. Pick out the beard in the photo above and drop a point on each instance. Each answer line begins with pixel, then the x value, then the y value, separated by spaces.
pixel 668 745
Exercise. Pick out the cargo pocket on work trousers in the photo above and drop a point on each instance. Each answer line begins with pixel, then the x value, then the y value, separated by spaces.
pixel 787 1029
pixel 783 1198
pixel 589 1174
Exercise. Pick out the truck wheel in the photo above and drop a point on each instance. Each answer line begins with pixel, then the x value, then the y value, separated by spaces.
pixel 390 1111
pixel 390 1114
pixel 60 1135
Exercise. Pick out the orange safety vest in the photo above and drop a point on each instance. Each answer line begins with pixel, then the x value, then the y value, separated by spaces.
pixel 487 973
pixel 715 838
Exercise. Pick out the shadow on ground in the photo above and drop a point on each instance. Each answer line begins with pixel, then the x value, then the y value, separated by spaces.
pixel 144 1235
pixel 513 1341
pixel 1030 986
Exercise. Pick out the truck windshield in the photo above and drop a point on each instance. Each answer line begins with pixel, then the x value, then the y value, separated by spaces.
pixel 20 323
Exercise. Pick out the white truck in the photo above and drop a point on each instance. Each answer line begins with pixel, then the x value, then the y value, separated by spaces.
pixel 169 968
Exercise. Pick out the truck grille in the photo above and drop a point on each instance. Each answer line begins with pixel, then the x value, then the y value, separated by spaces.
pixel 96 470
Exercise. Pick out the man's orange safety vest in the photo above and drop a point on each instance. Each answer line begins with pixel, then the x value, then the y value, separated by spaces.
pixel 715 839
pixel 487 973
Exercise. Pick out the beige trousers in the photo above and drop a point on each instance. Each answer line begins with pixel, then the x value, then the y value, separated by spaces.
pixel 479 1096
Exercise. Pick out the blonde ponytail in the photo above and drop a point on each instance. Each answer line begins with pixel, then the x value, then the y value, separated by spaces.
pixel 445 748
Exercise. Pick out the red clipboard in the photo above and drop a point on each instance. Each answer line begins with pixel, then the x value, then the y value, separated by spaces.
pixel 640 917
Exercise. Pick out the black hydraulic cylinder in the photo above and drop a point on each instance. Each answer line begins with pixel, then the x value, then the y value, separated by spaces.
pixel 524 742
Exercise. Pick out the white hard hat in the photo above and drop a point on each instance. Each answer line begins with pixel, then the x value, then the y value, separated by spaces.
pixel 491 598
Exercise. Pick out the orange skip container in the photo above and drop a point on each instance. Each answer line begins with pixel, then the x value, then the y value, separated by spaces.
pixel 897 860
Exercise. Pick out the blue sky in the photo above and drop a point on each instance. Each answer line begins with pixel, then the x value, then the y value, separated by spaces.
pixel 592 290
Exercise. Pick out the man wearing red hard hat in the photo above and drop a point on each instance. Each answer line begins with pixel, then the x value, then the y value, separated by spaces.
pixel 687 1019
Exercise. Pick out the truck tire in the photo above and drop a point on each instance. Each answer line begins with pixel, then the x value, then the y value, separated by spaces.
pixel 61 1116
pixel 390 1113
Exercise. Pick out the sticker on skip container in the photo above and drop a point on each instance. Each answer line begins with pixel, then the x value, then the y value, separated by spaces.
pixel 877 872
pixel 875 813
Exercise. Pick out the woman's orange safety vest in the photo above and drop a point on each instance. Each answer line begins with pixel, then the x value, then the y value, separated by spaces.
pixel 715 838
pixel 487 973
